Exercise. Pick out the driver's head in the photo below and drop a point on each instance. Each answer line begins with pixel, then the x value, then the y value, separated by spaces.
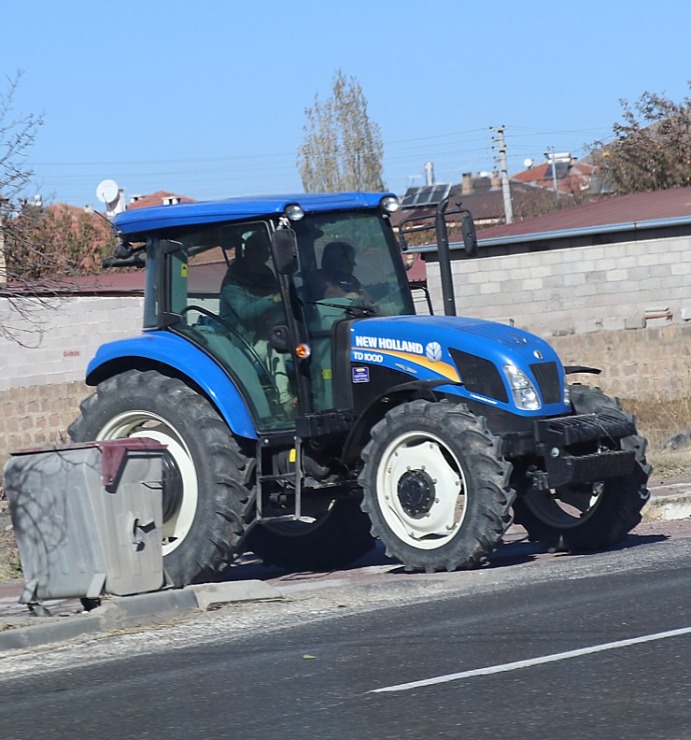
pixel 338 258
pixel 257 250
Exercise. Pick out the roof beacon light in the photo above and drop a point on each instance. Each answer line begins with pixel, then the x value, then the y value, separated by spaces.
pixel 294 212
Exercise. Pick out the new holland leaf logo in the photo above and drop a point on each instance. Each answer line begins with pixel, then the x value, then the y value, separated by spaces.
pixel 433 351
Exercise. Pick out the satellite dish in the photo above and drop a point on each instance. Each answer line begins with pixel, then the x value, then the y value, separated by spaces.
pixel 107 191
pixel 528 163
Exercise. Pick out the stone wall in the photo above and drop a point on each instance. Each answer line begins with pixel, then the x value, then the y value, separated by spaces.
pixel 38 415
pixel 636 363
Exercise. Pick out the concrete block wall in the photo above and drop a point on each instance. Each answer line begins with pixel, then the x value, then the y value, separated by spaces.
pixel 59 337
pixel 576 290
pixel 42 379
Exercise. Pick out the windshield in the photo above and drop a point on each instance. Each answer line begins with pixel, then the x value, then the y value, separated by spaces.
pixel 350 267
pixel 350 260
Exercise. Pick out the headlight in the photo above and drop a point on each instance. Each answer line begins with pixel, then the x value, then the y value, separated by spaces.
pixel 389 204
pixel 524 393
pixel 567 394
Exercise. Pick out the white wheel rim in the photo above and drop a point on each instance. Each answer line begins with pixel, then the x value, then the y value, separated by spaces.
pixel 415 451
pixel 146 424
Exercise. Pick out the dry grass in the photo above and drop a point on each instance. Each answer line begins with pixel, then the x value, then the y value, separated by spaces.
pixel 10 567
pixel 659 419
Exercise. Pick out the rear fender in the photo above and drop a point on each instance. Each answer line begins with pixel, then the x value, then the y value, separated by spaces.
pixel 170 353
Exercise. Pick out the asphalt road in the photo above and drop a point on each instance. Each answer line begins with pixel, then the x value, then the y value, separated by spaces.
pixel 595 647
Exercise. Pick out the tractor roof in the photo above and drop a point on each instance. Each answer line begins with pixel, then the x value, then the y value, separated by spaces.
pixel 238 209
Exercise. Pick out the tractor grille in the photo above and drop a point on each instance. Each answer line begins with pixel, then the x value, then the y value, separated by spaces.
pixel 479 375
pixel 547 377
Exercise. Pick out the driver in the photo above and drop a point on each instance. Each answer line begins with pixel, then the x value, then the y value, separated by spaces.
pixel 338 264
pixel 250 290
pixel 250 301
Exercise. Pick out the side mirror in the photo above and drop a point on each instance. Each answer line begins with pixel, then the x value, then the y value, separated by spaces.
pixel 284 245
pixel 469 235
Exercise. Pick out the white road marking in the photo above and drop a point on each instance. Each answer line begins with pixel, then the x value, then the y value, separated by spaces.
pixel 533 661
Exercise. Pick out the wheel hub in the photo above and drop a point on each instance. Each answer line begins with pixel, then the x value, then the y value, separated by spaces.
pixel 416 492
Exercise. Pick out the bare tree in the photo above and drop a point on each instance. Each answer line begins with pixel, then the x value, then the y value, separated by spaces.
pixel 16 136
pixel 40 247
pixel 343 149
pixel 651 149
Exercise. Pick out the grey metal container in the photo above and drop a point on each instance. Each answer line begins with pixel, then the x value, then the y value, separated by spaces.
pixel 88 518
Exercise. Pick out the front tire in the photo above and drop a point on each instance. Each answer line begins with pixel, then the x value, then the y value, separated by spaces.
pixel 435 486
pixel 588 516
pixel 206 499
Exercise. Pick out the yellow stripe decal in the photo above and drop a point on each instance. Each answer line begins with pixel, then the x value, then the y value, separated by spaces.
pixel 440 368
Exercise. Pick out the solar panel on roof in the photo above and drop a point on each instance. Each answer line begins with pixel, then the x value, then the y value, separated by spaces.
pixel 427 195
pixel 561 169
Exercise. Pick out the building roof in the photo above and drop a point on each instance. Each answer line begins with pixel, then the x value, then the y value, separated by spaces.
pixel 631 211
pixel 105 284
pixel 159 198
pixel 571 177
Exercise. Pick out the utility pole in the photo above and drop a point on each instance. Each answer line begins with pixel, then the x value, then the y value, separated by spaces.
pixel 503 171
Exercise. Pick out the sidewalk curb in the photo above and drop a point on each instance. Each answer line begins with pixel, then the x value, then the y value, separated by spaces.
pixel 671 506
pixel 131 612
pixel 117 613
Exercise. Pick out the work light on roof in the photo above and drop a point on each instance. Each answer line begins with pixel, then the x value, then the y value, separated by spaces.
pixel 294 212
pixel 390 204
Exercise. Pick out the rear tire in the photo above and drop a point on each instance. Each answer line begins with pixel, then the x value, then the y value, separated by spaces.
pixel 335 539
pixel 435 486
pixel 206 499
pixel 592 516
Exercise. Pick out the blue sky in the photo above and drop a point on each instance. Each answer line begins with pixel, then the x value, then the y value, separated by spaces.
pixel 207 98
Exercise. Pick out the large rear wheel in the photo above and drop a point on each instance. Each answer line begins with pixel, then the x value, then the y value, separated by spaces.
pixel 435 486
pixel 206 498
pixel 330 539
pixel 588 516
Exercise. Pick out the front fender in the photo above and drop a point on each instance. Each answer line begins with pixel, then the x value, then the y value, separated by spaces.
pixel 169 350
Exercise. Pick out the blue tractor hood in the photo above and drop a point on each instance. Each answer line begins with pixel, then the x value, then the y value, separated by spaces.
pixel 420 346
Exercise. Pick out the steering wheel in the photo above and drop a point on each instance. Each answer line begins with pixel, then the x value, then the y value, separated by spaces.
pixel 245 345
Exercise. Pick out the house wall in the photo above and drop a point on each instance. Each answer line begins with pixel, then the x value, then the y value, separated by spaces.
pixel 591 303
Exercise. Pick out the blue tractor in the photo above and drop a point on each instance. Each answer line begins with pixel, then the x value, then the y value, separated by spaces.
pixel 307 411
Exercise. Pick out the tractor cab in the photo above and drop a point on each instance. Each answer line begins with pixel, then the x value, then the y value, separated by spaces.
pixel 264 297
